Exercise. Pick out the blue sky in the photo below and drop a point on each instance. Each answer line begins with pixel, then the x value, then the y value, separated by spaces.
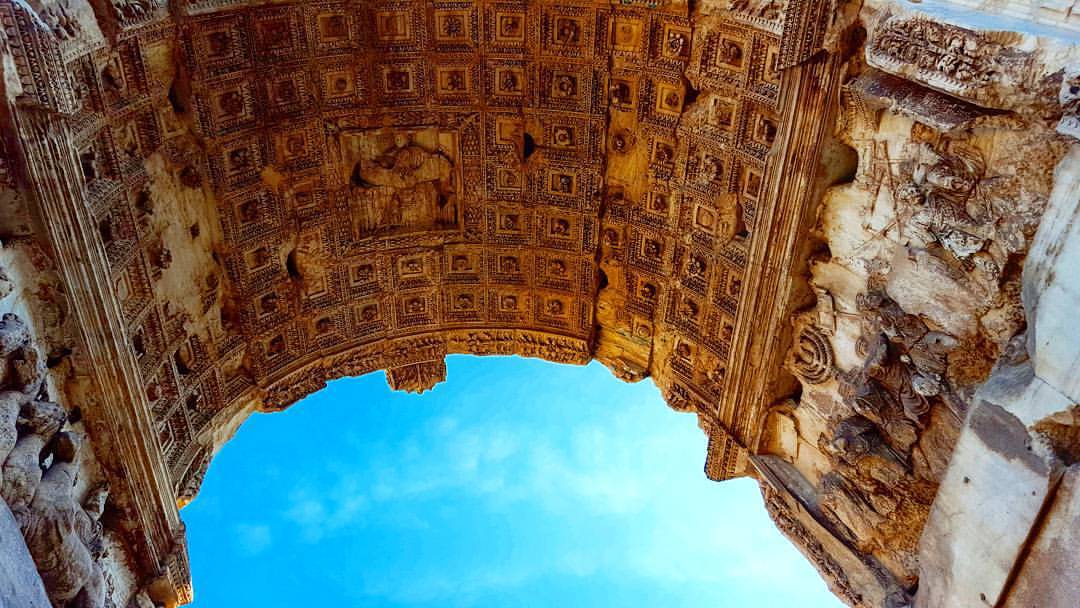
pixel 516 483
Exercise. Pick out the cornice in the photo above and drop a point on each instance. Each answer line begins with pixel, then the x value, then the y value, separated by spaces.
pixel 759 346
pixel 119 418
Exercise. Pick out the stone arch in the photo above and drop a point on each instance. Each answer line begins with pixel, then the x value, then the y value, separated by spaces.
pixel 232 203
pixel 416 365
pixel 453 197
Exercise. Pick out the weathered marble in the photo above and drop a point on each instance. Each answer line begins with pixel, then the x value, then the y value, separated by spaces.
pixel 1002 499
pixel 56 530
pixel 20 584
pixel 1050 290
pixel 1048 575
pixel 41 420
pixel 824 229
pixel 986 506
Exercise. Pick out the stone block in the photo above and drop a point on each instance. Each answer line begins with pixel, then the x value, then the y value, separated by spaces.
pixel 1049 577
pixel 20 585
pixel 1052 284
pixel 985 508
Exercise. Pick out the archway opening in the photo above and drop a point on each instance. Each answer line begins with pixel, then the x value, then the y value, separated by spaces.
pixel 517 482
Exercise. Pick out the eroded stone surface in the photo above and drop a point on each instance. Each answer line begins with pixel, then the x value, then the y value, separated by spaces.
pixel 1050 289
pixel 20 584
pixel 811 224
pixel 64 538
pixel 1049 576
pixel 986 507
pixel 1021 436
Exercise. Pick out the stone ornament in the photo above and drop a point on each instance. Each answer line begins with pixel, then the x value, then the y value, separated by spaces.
pixel 21 366
pixel 947 55
pixel 279 194
pixel 811 356
pixel 903 354
pixel 416 377
pixel 1069 98
pixel 63 536
pixel 39 421
pixel 52 532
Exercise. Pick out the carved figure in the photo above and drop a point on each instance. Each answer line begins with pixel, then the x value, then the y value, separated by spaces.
pixel 1069 98
pixel 21 368
pixel 88 520
pixel 923 352
pixel 959 56
pixel 112 77
pixel 369 313
pixel 409 185
pixel 14 335
pixel 885 366
pixel 275 347
pixel 38 422
pixel 11 403
pixel 859 448
pixel 67 567
pixel 62 24
pixel 940 200
pixel 190 177
pixel 905 366
pixel 762 9
pixel 133 10
pixel 620 93
pixel 160 256
pixel 6 285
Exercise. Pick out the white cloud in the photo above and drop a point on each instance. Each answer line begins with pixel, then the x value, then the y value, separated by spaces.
pixel 309 513
pixel 321 513
pixel 648 516
pixel 253 539
pixel 433 585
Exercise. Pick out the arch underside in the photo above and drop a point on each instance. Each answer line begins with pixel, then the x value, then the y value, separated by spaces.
pixel 787 214
pixel 401 180
pixel 275 195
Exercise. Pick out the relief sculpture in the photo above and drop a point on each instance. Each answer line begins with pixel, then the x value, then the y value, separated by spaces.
pixel 63 536
pixel 55 532
pixel 280 194
pixel 401 182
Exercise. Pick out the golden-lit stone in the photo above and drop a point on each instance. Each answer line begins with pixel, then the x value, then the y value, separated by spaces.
pixel 808 223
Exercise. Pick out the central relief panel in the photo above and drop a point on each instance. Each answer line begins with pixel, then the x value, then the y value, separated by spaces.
pixel 401 180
